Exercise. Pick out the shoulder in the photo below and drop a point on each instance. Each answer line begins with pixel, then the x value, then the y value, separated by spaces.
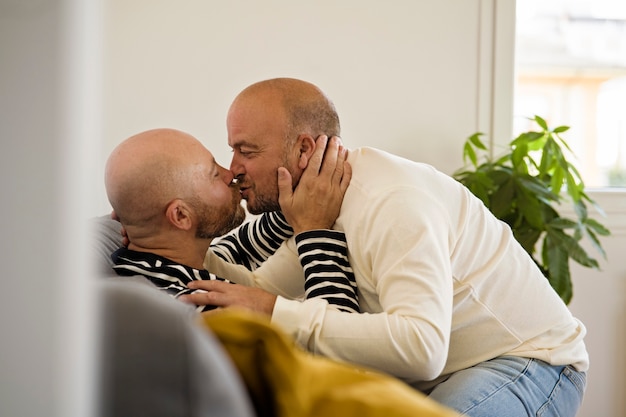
pixel 379 175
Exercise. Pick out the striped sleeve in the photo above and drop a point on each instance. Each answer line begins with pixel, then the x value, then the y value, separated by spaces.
pixel 327 271
pixel 253 242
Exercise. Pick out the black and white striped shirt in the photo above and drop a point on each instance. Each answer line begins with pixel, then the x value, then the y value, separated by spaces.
pixel 323 255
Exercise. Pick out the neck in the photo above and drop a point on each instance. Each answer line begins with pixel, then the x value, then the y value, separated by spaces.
pixel 190 252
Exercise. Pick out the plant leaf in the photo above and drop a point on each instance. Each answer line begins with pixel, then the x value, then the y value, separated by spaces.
pixel 595 242
pixel 575 174
pixel 557 181
pixel 478 183
pixel 537 187
pixel 502 199
pixel 580 209
pixel 517 158
pixel 530 139
pixel 597 227
pixel 558 269
pixel 499 175
pixel 527 237
pixel 572 248
pixel 547 161
pixel 529 207
pixel 525 186
pixel 572 188
pixel 475 140
pixel 541 122
pixel 563 223
pixel 563 142
pixel 468 152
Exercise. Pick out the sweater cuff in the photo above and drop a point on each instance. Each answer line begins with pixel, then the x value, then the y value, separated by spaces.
pixel 337 237
pixel 294 316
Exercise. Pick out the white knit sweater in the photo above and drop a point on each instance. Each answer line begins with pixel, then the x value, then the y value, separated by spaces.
pixel 442 283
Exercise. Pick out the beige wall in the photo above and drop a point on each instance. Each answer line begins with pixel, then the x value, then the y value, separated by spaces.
pixel 412 77
pixel 600 302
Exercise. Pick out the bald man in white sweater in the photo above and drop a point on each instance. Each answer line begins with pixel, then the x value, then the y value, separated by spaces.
pixel 451 303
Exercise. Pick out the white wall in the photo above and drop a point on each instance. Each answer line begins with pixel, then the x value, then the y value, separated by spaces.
pixel 600 302
pixel 412 77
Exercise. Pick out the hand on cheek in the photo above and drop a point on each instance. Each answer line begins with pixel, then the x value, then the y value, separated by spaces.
pixel 316 201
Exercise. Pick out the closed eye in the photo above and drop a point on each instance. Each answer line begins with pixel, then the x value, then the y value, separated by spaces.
pixel 246 150
pixel 246 153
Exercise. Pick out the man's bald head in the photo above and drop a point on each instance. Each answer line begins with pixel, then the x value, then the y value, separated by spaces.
pixel 307 109
pixel 170 195
pixel 147 171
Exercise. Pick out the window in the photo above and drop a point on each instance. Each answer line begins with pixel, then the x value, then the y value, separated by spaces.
pixel 570 61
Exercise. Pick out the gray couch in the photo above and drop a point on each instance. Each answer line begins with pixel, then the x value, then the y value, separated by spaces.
pixel 155 360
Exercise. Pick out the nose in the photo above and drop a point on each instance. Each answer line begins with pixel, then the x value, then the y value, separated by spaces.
pixel 227 176
pixel 236 168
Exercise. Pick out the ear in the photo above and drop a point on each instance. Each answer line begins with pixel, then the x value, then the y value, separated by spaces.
pixel 178 213
pixel 306 147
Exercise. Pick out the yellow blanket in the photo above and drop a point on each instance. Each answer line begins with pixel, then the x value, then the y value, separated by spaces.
pixel 286 381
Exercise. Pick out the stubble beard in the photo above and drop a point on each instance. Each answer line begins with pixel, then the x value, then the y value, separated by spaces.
pixel 262 204
pixel 213 223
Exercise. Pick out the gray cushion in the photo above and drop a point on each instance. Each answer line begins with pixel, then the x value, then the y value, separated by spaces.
pixel 157 361
pixel 104 239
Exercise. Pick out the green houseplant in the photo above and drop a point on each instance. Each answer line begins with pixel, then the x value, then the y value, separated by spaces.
pixel 525 188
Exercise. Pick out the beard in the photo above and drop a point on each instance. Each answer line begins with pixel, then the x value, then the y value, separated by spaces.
pixel 262 204
pixel 209 228
pixel 268 201
pixel 214 222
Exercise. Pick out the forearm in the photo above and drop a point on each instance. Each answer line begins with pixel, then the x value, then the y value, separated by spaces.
pixel 281 274
pixel 327 271
pixel 406 299
pixel 399 345
pixel 253 242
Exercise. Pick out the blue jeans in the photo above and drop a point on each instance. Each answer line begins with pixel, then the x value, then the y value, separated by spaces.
pixel 513 387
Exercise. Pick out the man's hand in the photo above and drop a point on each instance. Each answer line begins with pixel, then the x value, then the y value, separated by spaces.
pixel 225 294
pixel 316 201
